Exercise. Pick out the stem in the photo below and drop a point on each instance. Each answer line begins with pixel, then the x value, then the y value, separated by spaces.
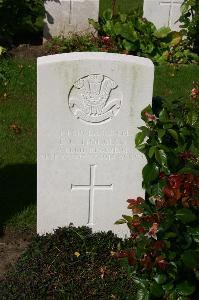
pixel 114 7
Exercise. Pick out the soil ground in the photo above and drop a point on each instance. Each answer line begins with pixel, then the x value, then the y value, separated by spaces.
pixel 28 51
pixel 12 245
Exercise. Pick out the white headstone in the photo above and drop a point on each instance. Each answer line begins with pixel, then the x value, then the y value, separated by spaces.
pixel 163 12
pixel 89 108
pixel 65 16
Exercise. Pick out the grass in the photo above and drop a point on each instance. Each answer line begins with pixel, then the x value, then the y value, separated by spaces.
pixel 122 6
pixel 17 112
pixel 18 132
pixel 18 141
pixel 175 82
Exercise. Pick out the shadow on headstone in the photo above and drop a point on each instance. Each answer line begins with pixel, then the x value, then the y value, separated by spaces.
pixel 46 31
pixel 48 20
pixel 17 190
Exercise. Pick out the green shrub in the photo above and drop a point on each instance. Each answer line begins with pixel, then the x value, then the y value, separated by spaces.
pixel 164 227
pixel 171 133
pixel 72 43
pixel 20 20
pixel 190 23
pixel 72 263
pixel 135 35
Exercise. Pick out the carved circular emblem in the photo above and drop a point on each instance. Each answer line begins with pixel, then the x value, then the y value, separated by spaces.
pixel 95 99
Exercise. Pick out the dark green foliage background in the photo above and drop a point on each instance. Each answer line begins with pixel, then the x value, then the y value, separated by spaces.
pixel 20 21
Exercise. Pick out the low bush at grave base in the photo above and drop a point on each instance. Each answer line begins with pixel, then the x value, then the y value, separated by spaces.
pixel 68 264
pixel 137 36
pixel 164 227
pixel 107 43
pixel 73 43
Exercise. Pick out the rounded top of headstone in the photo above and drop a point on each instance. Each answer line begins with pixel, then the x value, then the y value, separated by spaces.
pixel 95 56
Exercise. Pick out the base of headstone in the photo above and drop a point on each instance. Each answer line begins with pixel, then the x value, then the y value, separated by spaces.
pixel 66 16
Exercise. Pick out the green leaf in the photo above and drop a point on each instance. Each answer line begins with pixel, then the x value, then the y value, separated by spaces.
pixel 157 188
pixel 123 17
pixel 185 289
pixel 195 234
pixel 142 294
pixel 152 151
pixel 197 274
pixel 107 14
pixel 185 215
pixel 120 221
pixel 176 38
pixel 190 259
pixel 141 148
pixel 129 33
pixel 167 126
pixel 125 264
pixel 160 278
pixel 162 32
pixel 156 290
pixel 2 50
pixel 168 287
pixel 118 28
pixel 161 133
pixel 173 133
pixel 165 169
pixel 186 170
pixel 127 218
pixel 163 116
pixel 128 45
pixel 150 172
pixel 143 284
pixel 161 157
pixel 140 136
pixel 192 117
pixel 173 295
pixel 108 28
pixel 170 235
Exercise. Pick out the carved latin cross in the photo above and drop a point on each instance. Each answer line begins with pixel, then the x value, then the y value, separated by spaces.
pixel 91 187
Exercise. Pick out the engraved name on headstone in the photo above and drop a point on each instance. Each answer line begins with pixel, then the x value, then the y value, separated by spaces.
pixel 89 108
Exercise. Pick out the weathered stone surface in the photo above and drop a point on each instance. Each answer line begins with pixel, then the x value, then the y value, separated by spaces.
pixel 89 108
pixel 65 16
pixel 163 12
